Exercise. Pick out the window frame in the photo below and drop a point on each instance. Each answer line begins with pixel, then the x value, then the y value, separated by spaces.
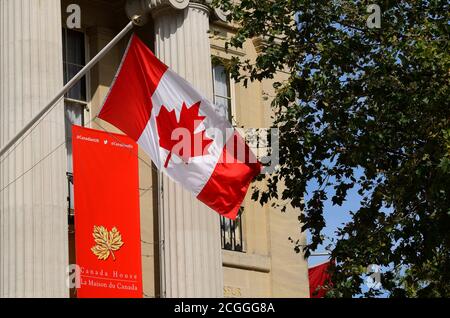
pixel 231 91
pixel 83 104
pixel 233 247
pixel 231 83
pixel 87 77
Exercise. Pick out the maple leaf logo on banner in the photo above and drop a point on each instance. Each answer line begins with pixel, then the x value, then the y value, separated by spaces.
pixel 180 137
pixel 107 242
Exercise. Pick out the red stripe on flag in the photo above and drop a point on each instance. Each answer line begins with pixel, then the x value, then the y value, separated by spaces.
pixel 129 105
pixel 228 185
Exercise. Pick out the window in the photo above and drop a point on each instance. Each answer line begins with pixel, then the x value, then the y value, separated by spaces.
pixel 74 59
pixel 73 116
pixel 222 92
pixel 231 232
pixel 75 101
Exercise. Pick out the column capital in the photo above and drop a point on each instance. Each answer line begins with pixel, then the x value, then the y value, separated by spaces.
pixel 177 4
pixel 144 7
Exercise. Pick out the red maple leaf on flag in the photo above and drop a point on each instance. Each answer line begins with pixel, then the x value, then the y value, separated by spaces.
pixel 179 137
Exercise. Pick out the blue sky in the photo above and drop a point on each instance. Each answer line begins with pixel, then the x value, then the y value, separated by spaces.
pixel 335 216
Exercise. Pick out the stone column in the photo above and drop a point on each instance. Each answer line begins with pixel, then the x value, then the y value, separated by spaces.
pixel 33 188
pixel 191 254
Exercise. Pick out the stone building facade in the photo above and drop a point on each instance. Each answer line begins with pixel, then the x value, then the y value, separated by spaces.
pixel 187 251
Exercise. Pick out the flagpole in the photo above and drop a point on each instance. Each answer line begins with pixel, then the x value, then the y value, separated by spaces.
pixel 161 236
pixel 136 20
pixel 320 254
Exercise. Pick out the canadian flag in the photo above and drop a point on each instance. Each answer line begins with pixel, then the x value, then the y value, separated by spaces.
pixel 180 130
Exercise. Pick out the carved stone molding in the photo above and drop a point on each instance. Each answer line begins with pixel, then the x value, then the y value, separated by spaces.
pixel 176 4
pixel 144 7
pixel 220 15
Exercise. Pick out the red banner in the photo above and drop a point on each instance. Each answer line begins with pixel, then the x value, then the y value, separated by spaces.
pixel 319 278
pixel 107 215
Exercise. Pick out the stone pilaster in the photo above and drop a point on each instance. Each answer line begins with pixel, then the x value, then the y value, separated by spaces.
pixel 191 255
pixel 33 206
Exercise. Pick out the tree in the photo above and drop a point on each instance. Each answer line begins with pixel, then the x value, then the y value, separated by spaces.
pixel 367 109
